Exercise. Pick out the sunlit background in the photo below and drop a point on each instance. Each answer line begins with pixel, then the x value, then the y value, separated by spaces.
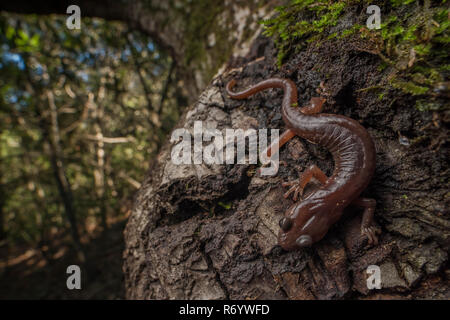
pixel 82 112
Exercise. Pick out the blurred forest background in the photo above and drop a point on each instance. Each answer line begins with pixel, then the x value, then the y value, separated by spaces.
pixel 82 113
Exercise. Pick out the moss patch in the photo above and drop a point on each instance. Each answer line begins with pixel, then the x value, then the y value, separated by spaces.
pixel 412 42
pixel 301 22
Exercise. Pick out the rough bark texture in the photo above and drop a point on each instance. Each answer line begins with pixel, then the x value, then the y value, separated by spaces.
pixel 209 232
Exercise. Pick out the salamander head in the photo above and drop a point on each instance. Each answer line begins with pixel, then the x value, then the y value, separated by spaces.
pixel 303 225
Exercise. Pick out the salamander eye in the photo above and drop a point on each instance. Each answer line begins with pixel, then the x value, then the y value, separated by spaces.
pixel 285 224
pixel 304 240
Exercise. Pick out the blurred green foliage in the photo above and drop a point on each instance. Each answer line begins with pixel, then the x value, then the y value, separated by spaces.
pixel 114 99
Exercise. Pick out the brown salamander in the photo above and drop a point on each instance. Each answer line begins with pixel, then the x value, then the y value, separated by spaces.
pixel 353 151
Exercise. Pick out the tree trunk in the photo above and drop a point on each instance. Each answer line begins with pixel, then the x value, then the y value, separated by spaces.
pixel 99 171
pixel 210 231
pixel 64 188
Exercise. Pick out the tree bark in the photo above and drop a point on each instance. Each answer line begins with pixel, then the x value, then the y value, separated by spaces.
pixel 210 231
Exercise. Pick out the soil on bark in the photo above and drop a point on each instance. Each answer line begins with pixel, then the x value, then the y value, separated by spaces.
pixel 210 231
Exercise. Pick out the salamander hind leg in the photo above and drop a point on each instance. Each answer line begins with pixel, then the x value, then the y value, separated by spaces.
pixel 297 186
pixel 368 227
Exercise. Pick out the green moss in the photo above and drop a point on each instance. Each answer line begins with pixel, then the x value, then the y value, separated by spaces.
pixel 382 66
pixel 397 3
pixel 300 23
pixel 412 42
pixel 348 32
pixel 427 105
pixel 225 205
pixel 409 87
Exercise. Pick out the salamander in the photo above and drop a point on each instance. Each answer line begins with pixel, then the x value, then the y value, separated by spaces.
pixel 307 221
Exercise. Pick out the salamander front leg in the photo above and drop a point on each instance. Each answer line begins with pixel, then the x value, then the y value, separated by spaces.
pixel 367 225
pixel 314 106
pixel 297 186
